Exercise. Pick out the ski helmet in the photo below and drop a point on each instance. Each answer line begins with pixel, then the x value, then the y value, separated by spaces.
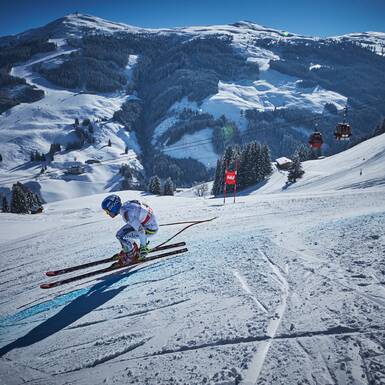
pixel 111 205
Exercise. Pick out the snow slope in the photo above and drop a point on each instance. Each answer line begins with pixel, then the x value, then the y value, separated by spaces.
pixel 75 25
pixel 197 146
pixel 282 288
pixel 35 126
pixel 373 40
pixel 272 90
pixel 359 167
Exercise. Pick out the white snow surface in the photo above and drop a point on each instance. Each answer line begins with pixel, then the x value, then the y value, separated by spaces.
pixel 373 40
pixel 197 146
pixel 273 89
pixel 286 286
pixel 77 24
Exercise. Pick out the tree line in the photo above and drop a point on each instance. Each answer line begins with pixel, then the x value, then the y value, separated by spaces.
pixel 154 186
pixel 252 162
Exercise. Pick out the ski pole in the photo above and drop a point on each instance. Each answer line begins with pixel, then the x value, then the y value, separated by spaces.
pixel 185 228
pixel 185 222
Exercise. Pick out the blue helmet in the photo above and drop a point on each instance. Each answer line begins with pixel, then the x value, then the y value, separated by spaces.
pixel 111 205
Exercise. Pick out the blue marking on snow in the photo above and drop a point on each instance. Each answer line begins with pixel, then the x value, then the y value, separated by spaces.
pixel 113 282
pixel 42 307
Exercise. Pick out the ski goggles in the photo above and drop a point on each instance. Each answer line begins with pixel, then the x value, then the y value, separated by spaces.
pixel 108 213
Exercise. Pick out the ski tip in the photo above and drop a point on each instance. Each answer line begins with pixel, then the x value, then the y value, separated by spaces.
pixel 45 286
pixel 50 273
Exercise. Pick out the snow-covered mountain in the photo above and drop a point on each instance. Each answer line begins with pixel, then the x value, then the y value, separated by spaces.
pixel 30 127
pixel 372 40
pixel 174 92
pixel 72 25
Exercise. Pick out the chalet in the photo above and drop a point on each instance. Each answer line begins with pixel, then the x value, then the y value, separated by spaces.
pixel 283 163
pixel 74 168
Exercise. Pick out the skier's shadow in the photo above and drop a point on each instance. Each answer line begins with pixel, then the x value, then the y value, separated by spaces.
pixel 76 309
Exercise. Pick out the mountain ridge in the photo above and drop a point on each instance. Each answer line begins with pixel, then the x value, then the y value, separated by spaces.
pixel 156 90
pixel 120 26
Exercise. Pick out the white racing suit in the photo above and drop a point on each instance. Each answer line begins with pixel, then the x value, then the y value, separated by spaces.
pixel 140 224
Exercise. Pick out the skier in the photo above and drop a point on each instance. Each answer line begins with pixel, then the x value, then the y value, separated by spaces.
pixel 140 224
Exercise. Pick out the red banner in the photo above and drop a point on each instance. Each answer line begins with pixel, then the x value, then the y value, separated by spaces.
pixel 231 177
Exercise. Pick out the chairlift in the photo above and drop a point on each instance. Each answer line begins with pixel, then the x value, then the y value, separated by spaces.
pixel 343 130
pixel 315 140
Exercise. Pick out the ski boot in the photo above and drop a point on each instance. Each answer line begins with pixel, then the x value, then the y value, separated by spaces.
pixel 144 250
pixel 128 258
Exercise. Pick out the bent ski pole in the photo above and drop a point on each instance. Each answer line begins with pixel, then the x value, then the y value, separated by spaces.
pixel 186 222
pixel 185 228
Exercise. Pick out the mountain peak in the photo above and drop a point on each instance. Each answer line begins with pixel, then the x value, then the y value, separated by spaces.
pixel 73 25
pixel 249 24
pixel 90 22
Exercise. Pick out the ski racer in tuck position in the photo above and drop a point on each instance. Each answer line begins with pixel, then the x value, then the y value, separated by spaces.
pixel 140 224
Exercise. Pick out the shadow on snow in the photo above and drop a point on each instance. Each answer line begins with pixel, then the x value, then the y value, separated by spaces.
pixel 94 297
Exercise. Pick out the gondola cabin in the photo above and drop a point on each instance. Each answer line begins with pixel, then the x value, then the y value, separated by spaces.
pixel 315 140
pixel 343 131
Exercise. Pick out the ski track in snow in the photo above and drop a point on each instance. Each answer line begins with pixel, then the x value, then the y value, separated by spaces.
pixel 246 288
pixel 256 365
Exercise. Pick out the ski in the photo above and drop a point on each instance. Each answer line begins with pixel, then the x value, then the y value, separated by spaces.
pixel 106 260
pixel 113 267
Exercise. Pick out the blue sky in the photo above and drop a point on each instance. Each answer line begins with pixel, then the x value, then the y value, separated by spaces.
pixel 320 18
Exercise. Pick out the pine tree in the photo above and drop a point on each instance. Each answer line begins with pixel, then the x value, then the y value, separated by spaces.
pixel 168 188
pixel 295 171
pixel 266 168
pixel 304 153
pixel 154 185
pixel 24 200
pixel 55 147
pixel 217 187
pixel 5 207
pixel 380 129
pixel 33 200
pixel 242 169
pixel 254 163
pixel 228 157
pixel 19 203
pixel 126 150
pixel 109 142
pixel 220 172
pixel 1 158
pixel 126 184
